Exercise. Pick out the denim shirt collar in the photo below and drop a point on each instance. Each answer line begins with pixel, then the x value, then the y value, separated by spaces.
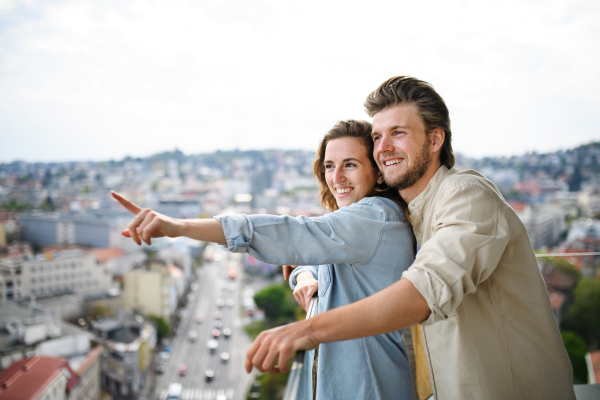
pixel 415 207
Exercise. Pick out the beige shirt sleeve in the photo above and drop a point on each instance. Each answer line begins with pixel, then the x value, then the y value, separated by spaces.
pixel 469 233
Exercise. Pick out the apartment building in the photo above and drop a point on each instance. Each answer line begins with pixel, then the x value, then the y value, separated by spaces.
pixel 153 288
pixel 69 271
pixel 128 342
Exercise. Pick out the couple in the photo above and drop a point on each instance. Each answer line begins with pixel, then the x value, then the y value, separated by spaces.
pixel 485 325
pixel 362 264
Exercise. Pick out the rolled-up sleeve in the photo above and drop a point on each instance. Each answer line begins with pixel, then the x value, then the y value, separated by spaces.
pixel 469 235
pixel 348 235
pixel 313 269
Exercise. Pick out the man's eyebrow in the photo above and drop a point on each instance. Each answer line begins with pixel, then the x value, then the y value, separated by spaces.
pixel 392 128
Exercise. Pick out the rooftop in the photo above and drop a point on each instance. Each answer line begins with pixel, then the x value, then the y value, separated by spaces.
pixel 28 378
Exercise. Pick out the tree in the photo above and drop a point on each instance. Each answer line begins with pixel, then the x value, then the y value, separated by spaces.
pixel 277 302
pixel 584 314
pixel 163 328
pixel 576 349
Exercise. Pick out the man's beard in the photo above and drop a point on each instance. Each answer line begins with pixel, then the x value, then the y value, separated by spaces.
pixel 414 173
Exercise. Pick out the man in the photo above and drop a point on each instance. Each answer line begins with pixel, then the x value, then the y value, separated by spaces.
pixel 488 331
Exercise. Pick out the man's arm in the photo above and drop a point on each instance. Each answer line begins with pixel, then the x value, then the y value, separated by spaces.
pixel 396 307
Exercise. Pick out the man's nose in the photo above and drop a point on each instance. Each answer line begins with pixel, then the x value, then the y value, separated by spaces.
pixel 385 144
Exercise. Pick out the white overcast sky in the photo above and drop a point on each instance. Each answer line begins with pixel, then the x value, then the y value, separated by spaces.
pixel 98 80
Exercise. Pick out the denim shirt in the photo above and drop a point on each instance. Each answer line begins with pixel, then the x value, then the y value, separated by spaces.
pixel 362 249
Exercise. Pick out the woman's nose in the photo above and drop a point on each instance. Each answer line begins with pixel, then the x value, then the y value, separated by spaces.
pixel 338 175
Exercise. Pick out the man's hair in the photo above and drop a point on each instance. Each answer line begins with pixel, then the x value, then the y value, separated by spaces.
pixel 360 130
pixel 430 105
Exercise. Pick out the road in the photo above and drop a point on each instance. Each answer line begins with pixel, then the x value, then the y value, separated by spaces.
pixel 230 380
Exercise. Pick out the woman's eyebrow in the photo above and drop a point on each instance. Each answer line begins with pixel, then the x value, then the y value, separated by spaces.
pixel 344 160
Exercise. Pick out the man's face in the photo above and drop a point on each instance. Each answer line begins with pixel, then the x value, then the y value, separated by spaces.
pixel 402 147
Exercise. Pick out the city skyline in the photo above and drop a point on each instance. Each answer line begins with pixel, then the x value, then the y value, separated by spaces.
pixel 85 81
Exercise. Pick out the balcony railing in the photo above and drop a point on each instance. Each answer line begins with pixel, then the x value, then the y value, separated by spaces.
pixel 582 392
pixel 298 363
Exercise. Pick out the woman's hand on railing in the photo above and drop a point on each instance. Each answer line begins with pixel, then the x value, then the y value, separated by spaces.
pixel 287 271
pixel 306 287
pixel 147 224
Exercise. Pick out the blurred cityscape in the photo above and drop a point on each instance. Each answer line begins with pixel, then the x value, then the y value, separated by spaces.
pixel 87 314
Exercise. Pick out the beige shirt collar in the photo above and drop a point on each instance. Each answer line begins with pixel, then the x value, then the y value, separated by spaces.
pixel 415 207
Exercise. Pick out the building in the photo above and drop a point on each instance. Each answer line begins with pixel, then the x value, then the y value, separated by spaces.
pixel 39 377
pixel 151 289
pixel 26 331
pixel 593 364
pixel 544 225
pixel 128 342
pixel 93 231
pixel 69 271
pixel 88 370
pixel 589 201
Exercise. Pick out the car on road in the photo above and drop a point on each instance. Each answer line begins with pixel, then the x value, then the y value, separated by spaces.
pixel 192 336
pixel 224 356
pixel 182 369
pixel 216 333
pixel 218 315
pixel 174 392
pixel 199 318
pixel 229 302
pixel 209 374
pixel 183 313
pixel 218 324
pixel 194 287
pixel 231 287
pixel 226 332
pixel 212 344
pixel 220 303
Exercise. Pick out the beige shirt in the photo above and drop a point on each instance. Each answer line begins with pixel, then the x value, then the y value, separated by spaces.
pixel 491 333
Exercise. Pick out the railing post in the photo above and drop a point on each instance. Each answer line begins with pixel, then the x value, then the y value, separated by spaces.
pixel 293 383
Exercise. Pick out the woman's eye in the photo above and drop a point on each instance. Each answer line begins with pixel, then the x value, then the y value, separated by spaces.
pixel 350 165
pixel 329 166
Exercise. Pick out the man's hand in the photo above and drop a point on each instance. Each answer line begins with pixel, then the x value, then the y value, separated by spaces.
pixel 305 288
pixel 279 345
pixel 147 224
pixel 287 271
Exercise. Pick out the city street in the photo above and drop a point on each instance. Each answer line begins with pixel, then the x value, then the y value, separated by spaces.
pixel 216 292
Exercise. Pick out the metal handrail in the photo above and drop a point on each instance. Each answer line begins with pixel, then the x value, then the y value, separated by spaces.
pixel 293 382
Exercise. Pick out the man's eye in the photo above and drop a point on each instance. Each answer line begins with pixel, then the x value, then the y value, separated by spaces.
pixel 376 138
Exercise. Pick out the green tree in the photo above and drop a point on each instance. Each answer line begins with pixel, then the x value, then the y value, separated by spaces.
pixel 576 349
pixel 163 328
pixel 277 302
pixel 584 314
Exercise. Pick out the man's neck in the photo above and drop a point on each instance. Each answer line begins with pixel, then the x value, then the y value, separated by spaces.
pixel 410 193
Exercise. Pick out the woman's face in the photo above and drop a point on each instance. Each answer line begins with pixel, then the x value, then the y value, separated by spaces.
pixel 349 171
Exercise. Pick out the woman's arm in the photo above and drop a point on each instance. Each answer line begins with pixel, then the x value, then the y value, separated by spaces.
pixel 147 224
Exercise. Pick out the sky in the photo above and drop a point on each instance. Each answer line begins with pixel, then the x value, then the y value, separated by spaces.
pixel 89 80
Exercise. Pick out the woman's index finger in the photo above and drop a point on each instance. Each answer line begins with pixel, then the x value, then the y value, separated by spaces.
pixel 135 210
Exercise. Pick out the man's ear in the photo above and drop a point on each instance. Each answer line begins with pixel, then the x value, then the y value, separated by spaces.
pixel 438 135
pixel 379 178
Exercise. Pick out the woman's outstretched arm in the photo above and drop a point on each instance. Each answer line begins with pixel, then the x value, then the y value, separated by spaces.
pixel 147 224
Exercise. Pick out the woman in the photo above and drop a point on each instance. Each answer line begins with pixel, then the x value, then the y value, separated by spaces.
pixel 362 247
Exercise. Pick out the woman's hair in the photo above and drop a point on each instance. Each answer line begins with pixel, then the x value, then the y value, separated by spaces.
pixel 360 130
